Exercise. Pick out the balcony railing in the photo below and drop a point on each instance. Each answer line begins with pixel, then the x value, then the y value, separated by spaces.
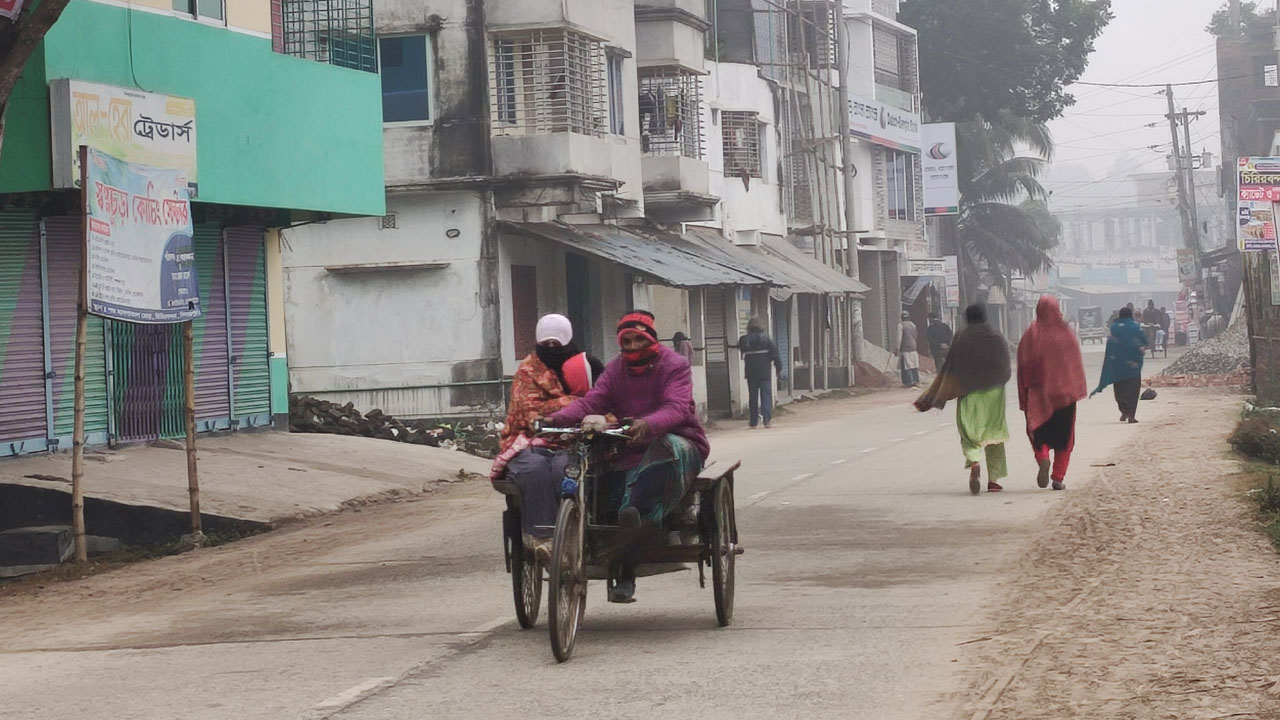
pixel 900 99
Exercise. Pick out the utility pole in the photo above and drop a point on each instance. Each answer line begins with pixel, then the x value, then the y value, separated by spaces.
pixel 1191 177
pixel 1234 15
pixel 1189 230
pixel 850 186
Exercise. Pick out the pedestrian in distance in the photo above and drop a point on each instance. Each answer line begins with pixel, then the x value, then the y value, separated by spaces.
pixel 977 369
pixel 1050 383
pixel 939 335
pixel 1122 368
pixel 759 356
pixel 680 343
pixel 908 352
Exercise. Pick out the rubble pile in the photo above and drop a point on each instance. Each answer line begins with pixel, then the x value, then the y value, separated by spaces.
pixel 1226 354
pixel 311 415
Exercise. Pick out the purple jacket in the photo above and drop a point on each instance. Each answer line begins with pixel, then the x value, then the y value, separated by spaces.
pixel 663 397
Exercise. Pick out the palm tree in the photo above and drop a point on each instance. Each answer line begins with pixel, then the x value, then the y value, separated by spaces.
pixel 1004 227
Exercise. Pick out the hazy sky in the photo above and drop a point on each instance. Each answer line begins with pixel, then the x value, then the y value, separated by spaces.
pixel 1103 137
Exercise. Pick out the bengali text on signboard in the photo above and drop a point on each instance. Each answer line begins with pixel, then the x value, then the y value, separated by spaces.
pixel 140 248
pixel 1259 188
pixel 148 129
pixel 938 166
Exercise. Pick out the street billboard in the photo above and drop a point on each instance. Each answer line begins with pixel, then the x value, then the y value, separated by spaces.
pixel 148 129
pixel 951 273
pixel 1259 190
pixel 140 249
pixel 884 124
pixel 938 165
pixel 9 9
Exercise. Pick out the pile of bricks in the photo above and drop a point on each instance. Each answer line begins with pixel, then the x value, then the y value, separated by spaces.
pixel 312 415
pixel 1237 379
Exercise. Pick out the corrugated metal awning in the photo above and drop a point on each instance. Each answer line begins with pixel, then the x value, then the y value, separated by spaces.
pixel 783 264
pixel 663 256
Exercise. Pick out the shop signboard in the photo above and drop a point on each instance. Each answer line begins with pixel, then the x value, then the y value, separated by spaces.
pixel 884 124
pixel 140 248
pixel 938 166
pixel 148 129
pixel 1259 190
pixel 951 273
pixel 9 9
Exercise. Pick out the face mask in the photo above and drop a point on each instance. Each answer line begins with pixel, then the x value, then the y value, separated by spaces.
pixel 639 361
pixel 554 357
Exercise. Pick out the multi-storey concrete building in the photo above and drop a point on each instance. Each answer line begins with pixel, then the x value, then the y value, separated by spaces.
pixel 576 156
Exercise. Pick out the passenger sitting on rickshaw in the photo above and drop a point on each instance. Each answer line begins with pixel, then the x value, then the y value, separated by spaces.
pixel 549 379
pixel 653 386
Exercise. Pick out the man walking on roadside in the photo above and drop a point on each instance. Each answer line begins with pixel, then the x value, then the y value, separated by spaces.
pixel 759 353
pixel 939 335
pixel 908 353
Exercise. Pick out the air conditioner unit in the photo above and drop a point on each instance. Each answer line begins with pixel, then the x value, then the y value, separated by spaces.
pixel 750 238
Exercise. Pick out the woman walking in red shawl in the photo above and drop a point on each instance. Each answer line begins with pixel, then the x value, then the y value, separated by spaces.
pixel 1050 383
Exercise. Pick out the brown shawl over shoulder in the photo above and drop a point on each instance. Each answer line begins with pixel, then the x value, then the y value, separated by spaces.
pixel 979 359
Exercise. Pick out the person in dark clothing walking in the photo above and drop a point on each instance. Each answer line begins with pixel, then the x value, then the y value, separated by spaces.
pixel 1122 368
pixel 758 353
pixel 939 335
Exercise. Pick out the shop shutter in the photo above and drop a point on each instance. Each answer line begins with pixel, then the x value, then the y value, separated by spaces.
pixel 782 332
pixel 213 389
pixel 24 423
pixel 62 254
pixel 247 305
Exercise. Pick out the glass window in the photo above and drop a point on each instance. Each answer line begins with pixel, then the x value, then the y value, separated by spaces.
pixel 208 9
pixel 617 109
pixel 406 78
pixel 900 182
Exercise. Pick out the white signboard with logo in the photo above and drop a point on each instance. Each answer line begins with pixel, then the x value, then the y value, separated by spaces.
pixel 884 124
pixel 158 131
pixel 927 267
pixel 938 165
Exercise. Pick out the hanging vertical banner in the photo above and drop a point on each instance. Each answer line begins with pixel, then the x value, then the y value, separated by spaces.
pixel 1186 265
pixel 140 252
pixel 951 273
pixel 10 9
pixel 938 165
pixel 1259 189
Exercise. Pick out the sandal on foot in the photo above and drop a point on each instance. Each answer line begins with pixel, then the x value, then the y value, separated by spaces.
pixel 1045 468
pixel 1059 485
pixel 975 479
pixel 993 486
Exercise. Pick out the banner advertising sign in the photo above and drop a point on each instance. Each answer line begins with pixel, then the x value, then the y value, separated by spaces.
pixel 157 131
pixel 884 124
pixel 1186 265
pixel 1259 183
pixel 10 8
pixel 951 272
pixel 1275 278
pixel 141 255
pixel 927 267
pixel 938 165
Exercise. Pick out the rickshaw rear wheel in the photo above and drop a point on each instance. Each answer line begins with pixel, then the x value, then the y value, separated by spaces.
pixel 526 587
pixel 567 581
pixel 723 555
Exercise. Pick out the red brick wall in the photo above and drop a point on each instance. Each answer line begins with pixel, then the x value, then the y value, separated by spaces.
pixel 277 25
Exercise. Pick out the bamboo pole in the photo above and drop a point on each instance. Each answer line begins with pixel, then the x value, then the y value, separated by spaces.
pixel 82 327
pixel 189 381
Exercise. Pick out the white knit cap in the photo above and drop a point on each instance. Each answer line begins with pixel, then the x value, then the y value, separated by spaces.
pixel 554 327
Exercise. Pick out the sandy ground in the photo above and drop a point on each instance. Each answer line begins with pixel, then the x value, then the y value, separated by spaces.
pixel 1147 596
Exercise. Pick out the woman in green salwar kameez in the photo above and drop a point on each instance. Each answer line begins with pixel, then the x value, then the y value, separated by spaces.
pixel 977 369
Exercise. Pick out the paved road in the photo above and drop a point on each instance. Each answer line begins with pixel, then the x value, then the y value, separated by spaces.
pixel 867 564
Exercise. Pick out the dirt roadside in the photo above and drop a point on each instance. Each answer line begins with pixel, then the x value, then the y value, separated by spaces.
pixel 1147 595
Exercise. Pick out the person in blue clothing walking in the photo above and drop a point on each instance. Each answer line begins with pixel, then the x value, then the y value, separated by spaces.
pixel 759 352
pixel 1126 349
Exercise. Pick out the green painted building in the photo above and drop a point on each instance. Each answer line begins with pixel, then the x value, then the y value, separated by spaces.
pixel 285 128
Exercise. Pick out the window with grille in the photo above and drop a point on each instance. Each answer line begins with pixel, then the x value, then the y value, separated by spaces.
pixel 888 58
pixel 670 112
pixel 812 32
pixel 337 32
pixel 741 133
pixel 900 182
pixel 548 81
